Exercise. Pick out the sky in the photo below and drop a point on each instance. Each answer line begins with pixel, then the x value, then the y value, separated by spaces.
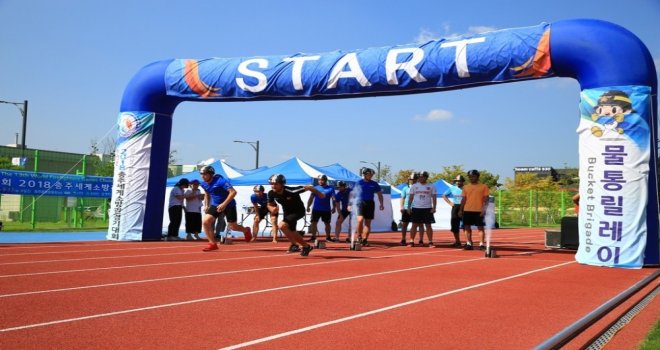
pixel 72 59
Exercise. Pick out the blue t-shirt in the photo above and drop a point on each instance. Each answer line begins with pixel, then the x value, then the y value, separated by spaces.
pixel 323 204
pixel 455 194
pixel 218 189
pixel 260 201
pixel 405 194
pixel 368 189
pixel 343 198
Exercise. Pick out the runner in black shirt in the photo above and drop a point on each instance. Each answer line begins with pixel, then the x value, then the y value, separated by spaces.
pixel 294 209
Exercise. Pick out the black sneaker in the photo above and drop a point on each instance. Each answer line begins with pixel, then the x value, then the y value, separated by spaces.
pixel 329 239
pixel 305 250
pixel 467 247
pixel 457 245
pixel 482 247
pixel 421 242
pixel 365 243
pixel 403 242
pixel 348 240
pixel 293 249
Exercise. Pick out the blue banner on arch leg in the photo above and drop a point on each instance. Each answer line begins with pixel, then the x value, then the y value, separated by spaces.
pixel 614 136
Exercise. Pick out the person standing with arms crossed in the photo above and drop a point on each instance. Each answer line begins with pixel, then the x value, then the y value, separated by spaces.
pixel 294 209
pixel 193 211
pixel 405 215
pixel 343 207
pixel 175 210
pixel 421 208
pixel 473 208
pixel 453 196
pixel 366 188
pixel 219 198
pixel 321 208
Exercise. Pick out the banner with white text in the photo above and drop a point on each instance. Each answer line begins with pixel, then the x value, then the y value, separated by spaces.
pixel 503 55
pixel 614 168
pixel 52 184
pixel 132 161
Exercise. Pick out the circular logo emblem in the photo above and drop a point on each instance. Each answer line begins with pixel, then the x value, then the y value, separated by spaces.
pixel 128 125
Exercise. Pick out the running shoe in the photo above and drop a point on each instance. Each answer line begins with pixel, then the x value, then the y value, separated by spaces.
pixel 211 247
pixel 293 248
pixel 305 250
pixel 467 247
pixel 348 240
pixel 431 245
pixel 248 234
pixel 457 245
pixel 329 239
pixel 482 247
pixel 365 243
pixel 403 242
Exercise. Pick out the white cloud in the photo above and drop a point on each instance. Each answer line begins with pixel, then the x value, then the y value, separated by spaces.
pixel 436 115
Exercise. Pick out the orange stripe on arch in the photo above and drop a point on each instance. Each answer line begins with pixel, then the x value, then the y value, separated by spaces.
pixel 540 64
pixel 192 78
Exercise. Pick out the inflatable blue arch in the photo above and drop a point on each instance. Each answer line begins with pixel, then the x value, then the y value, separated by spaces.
pixel 618 221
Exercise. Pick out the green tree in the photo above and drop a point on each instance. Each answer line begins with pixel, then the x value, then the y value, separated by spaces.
pixel 401 177
pixel 5 163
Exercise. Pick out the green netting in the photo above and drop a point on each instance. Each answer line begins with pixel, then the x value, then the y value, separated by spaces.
pixel 533 208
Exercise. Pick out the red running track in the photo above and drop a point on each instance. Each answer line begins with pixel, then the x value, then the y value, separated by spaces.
pixel 155 295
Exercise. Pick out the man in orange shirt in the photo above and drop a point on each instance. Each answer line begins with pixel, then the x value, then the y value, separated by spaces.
pixel 473 208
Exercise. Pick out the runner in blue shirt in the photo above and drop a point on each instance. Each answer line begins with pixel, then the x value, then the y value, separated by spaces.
pixel 219 198
pixel 322 208
pixel 259 201
pixel 366 188
pixel 343 207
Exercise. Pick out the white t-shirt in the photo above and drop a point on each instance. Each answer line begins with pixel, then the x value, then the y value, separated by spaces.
pixel 176 191
pixel 424 195
pixel 193 205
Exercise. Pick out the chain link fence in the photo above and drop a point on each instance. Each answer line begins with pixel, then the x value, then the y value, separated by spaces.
pixel 514 208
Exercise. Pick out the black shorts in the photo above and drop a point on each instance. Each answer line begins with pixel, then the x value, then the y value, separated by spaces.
pixel 422 216
pixel 366 209
pixel 473 218
pixel 291 219
pixel 344 214
pixel 230 213
pixel 325 216
pixel 405 217
pixel 263 213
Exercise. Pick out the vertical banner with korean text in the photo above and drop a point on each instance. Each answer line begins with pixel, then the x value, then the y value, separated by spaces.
pixel 614 143
pixel 132 161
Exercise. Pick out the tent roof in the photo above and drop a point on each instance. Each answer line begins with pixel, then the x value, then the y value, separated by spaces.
pixel 297 172
pixel 222 168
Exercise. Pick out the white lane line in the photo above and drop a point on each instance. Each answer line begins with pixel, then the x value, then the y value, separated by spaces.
pixel 387 308
pixel 95 258
pixel 210 273
pixel 228 296
pixel 191 245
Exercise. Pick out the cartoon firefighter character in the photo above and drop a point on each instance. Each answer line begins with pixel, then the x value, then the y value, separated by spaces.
pixel 610 113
